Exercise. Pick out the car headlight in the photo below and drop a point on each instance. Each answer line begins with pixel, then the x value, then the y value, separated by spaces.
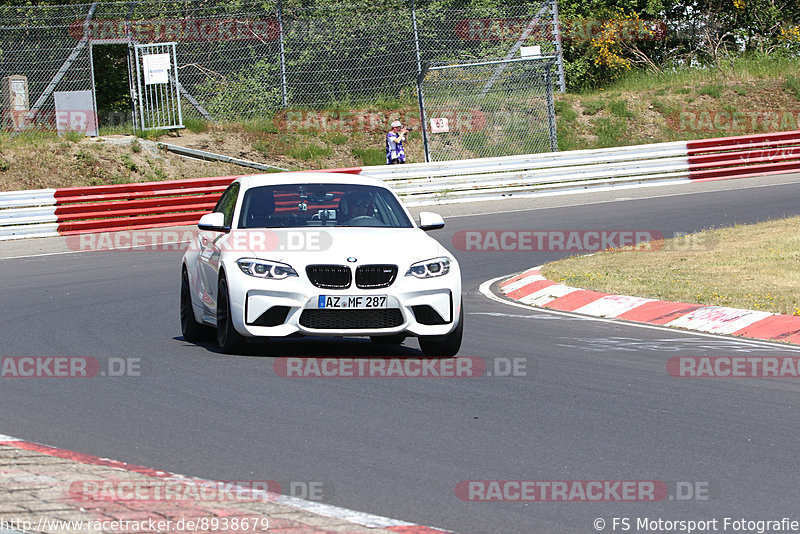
pixel 430 268
pixel 265 268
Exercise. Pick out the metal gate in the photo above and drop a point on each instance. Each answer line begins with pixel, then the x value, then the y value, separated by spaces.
pixel 486 109
pixel 157 103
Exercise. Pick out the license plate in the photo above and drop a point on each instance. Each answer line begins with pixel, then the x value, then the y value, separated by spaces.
pixel 351 302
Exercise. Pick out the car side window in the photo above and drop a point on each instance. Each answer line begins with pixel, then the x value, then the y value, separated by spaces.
pixel 227 203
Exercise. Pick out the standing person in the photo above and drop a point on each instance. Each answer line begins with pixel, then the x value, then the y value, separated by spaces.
pixel 394 144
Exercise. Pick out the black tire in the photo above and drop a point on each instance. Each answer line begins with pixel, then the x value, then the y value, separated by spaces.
pixel 396 339
pixel 447 345
pixel 192 330
pixel 229 340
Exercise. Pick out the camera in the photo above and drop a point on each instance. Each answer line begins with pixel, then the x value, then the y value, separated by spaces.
pixel 408 128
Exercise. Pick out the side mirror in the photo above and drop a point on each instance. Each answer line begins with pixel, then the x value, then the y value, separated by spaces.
pixel 430 221
pixel 213 222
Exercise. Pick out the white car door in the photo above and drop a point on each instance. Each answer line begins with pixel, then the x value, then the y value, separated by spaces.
pixel 210 247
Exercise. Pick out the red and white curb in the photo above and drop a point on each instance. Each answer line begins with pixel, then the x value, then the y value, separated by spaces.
pixel 316 508
pixel 533 289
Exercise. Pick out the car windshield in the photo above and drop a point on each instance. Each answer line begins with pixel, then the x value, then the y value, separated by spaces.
pixel 303 205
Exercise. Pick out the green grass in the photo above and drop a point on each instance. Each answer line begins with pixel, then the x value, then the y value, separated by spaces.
pixel 260 127
pixel 743 68
pixel 196 125
pixel 309 152
pixel 4 165
pixel 620 109
pixel 473 140
pixel 85 157
pixel 566 126
pixel 792 84
pixel 150 135
pixel 128 163
pixel 73 136
pixel 33 137
pixel 713 267
pixel 740 90
pixel 339 139
pixel 592 107
pixel 370 156
pixel 610 132
pixel 663 108
pixel 712 90
pixel 120 129
pixel 262 147
pixel 565 111
pixel 136 146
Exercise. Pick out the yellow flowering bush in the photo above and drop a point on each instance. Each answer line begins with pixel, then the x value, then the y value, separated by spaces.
pixel 616 38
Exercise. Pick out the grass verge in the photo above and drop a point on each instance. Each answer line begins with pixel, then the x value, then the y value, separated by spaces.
pixel 745 266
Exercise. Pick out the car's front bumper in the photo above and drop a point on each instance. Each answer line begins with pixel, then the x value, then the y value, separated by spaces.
pixel 280 308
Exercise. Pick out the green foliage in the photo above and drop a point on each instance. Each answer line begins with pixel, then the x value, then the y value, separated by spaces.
pixel 136 146
pixel 339 139
pixel 4 165
pixel 254 87
pixel 112 90
pixel 740 90
pixel 370 156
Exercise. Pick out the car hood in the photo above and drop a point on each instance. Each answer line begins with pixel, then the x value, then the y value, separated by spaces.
pixel 339 245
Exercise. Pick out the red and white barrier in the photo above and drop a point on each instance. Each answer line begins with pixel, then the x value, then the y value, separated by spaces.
pixel 75 210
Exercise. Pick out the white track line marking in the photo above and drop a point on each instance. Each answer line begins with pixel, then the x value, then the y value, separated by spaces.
pixel 484 288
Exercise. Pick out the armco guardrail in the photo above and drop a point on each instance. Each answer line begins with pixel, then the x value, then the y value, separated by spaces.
pixel 47 212
pixel 708 159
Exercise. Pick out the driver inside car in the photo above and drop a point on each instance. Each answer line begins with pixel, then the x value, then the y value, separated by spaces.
pixel 358 204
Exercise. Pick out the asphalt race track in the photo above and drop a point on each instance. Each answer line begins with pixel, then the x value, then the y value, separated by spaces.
pixel 596 402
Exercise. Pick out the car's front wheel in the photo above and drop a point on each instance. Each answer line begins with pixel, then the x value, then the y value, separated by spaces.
pixel 447 345
pixel 229 340
pixel 192 330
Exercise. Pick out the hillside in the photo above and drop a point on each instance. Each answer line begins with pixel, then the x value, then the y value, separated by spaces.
pixel 748 96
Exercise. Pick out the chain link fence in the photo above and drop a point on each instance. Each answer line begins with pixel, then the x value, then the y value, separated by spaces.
pixel 494 108
pixel 248 59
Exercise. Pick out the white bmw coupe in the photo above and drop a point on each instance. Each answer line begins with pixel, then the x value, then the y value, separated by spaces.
pixel 319 254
